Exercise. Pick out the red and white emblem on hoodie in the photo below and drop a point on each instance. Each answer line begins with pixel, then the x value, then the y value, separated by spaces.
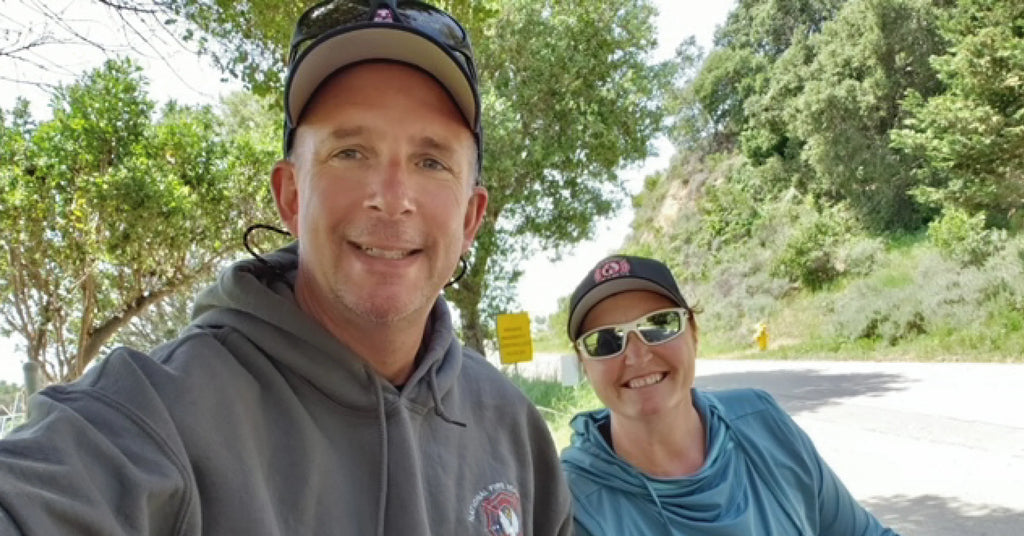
pixel 498 508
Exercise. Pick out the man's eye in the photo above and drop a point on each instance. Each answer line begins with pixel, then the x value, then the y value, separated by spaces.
pixel 433 164
pixel 347 154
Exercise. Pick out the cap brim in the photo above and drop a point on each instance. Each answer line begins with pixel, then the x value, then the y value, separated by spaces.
pixel 610 288
pixel 390 43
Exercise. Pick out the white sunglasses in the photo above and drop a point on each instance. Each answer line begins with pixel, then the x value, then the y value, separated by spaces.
pixel 658 327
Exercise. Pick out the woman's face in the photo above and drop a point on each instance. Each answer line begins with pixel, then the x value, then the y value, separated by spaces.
pixel 644 380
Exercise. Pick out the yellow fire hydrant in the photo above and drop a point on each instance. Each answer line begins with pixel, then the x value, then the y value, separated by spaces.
pixel 761 335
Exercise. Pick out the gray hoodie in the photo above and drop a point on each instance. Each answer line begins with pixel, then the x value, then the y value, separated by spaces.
pixel 257 421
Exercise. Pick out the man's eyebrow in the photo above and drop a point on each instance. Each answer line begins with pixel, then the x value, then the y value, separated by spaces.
pixel 342 133
pixel 434 144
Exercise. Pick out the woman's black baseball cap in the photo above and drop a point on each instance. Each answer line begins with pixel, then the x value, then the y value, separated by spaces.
pixel 617 274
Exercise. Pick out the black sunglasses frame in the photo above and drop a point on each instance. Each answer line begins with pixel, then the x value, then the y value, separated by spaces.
pixel 333 15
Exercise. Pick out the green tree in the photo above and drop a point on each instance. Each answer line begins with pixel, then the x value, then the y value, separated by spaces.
pixel 865 62
pixel 109 210
pixel 570 98
pixel 970 138
pixel 754 36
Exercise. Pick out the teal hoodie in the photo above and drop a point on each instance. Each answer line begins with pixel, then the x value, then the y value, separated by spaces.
pixel 762 476
pixel 258 422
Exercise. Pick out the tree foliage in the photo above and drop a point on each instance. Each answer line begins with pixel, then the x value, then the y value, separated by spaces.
pixel 111 206
pixel 569 98
pixel 970 137
pixel 754 36
pixel 810 92
pixel 8 394
pixel 865 62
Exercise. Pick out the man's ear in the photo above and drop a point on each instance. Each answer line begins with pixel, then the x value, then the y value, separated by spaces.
pixel 475 210
pixel 285 184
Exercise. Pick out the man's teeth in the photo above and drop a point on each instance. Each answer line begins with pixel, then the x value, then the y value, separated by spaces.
pixel 637 383
pixel 386 253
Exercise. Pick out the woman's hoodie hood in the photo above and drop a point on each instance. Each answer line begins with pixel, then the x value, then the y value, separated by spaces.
pixel 256 298
pixel 591 464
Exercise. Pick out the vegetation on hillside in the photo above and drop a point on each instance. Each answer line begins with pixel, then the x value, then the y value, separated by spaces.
pixel 851 172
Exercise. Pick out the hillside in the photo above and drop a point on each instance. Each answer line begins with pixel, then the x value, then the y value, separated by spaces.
pixel 826 287
pixel 852 173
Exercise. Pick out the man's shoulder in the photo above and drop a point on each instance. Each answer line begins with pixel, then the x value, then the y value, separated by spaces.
pixel 127 375
pixel 477 369
pixel 475 364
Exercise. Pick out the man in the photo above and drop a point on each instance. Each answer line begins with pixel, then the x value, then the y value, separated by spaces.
pixel 319 389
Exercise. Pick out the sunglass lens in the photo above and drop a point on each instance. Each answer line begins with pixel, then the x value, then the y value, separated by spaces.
pixel 323 18
pixel 660 327
pixel 441 25
pixel 604 343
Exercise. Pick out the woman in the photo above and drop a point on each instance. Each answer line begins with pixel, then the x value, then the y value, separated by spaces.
pixel 665 458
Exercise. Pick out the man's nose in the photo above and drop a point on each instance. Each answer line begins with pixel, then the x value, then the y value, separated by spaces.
pixel 391 190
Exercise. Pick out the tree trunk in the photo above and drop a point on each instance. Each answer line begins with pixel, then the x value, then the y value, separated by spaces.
pixel 468 292
pixel 467 299
pixel 94 340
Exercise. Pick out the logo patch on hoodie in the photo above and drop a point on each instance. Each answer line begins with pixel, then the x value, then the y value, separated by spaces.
pixel 497 507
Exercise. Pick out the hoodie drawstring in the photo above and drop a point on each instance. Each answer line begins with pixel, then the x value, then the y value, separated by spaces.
pixel 657 502
pixel 382 421
pixel 438 408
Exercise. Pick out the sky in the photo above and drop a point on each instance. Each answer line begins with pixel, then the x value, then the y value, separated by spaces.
pixel 179 74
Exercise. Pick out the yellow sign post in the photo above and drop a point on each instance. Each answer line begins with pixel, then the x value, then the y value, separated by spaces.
pixel 515 344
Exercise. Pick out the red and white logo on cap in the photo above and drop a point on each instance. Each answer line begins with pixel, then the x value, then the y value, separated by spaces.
pixel 610 269
pixel 383 15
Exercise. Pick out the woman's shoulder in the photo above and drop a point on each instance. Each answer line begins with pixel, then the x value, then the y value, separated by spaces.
pixel 739 403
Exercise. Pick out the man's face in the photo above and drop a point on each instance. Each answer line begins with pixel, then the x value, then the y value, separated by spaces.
pixel 379 191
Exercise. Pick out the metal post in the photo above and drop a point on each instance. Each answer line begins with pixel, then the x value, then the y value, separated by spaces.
pixel 31 370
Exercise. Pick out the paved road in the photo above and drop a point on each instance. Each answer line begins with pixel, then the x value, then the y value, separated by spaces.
pixel 933 449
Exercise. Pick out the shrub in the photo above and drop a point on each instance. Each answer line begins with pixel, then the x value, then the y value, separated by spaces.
pixel 860 256
pixel 728 213
pixel 557 403
pixel 811 255
pixel 963 237
pixel 866 311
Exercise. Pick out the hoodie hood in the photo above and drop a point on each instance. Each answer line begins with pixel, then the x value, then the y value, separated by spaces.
pixel 257 299
pixel 708 495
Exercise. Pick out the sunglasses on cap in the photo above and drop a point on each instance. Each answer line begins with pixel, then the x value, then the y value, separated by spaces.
pixel 653 328
pixel 354 31
pixel 332 15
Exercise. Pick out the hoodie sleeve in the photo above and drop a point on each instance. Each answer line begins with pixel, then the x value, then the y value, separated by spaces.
pixel 838 511
pixel 87 464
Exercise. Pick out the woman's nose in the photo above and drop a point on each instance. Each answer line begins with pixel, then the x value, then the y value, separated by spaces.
pixel 636 351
